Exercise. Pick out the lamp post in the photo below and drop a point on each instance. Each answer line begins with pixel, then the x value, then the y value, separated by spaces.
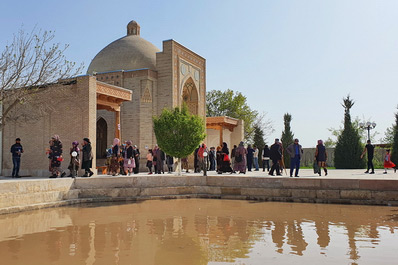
pixel 205 154
pixel 368 126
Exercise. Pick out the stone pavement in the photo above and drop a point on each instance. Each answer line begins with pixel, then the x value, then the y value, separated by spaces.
pixel 303 173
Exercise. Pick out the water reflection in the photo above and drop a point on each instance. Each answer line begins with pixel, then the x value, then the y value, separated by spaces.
pixel 201 232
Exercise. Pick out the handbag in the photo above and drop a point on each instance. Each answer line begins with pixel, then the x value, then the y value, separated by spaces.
pixel 316 167
pixel 129 162
pixel 226 158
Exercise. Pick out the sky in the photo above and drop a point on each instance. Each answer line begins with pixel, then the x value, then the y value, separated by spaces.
pixel 298 57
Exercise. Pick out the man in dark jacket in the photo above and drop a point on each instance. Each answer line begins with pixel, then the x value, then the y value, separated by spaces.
pixel 16 150
pixel 212 158
pixel 249 157
pixel 370 149
pixel 275 155
pixel 295 151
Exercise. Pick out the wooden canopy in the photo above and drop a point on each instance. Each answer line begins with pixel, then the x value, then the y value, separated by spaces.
pixel 221 123
pixel 110 97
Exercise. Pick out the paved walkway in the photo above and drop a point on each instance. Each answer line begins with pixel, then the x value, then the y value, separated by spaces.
pixel 303 173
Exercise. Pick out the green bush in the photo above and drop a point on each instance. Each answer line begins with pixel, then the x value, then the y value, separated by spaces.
pixel 178 133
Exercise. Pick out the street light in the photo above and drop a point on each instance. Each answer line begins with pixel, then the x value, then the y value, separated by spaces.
pixel 368 126
pixel 205 154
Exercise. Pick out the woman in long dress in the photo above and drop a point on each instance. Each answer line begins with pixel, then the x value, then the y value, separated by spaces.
pixel 115 166
pixel 240 159
pixel 321 157
pixel 87 161
pixel 224 160
pixel 56 157
pixel 129 161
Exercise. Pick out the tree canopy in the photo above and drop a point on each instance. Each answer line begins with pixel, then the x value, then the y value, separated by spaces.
pixel 363 133
pixel 178 133
pixel 30 61
pixel 234 105
pixel 394 151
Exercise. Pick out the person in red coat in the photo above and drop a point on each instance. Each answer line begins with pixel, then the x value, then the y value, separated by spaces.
pixel 387 161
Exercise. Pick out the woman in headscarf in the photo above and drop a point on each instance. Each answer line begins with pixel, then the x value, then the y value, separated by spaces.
pixel 158 157
pixel 226 162
pixel 219 159
pixel 321 157
pixel 87 163
pixel 240 159
pixel 55 156
pixel 129 161
pixel 74 160
pixel 115 166
pixel 136 154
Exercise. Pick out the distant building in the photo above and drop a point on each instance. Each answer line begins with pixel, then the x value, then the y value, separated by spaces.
pixel 127 83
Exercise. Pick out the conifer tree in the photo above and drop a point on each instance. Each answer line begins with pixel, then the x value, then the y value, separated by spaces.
pixel 347 154
pixel 258 140
pixel 287 138
pixel 394 151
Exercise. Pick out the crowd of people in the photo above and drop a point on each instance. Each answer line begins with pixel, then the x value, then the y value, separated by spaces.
pixel 124 158
pixel 242 159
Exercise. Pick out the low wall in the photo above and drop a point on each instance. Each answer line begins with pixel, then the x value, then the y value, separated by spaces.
pixel 28 194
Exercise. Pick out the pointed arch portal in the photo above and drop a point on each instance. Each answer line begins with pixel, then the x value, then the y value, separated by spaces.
pixel 190 96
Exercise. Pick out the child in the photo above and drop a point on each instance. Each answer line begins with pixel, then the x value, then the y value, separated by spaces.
pixel 184 164
pixel 74 160
pixel 149 159
pixel 387 162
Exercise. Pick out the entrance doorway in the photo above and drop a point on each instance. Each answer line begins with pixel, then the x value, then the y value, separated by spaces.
pixel 190 96
pixel 102 136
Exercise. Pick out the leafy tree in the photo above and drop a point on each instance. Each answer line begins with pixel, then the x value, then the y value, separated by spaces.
pixel 389 135
pixel 394 151
pixel 390 132
pixel 287 137
pixel 264 125
pixel 178 133
pixel 363 133
pixel 232 104
pixel 30 61
pixel 348 147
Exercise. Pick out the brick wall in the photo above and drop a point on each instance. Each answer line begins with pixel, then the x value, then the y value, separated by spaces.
pixel 66 110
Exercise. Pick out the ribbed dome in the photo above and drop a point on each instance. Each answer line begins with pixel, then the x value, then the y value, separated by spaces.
pixel 127 53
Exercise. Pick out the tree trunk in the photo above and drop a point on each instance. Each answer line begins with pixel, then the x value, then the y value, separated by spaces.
pixel 178 166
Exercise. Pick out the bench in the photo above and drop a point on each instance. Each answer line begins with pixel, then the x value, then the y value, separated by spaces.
pixel 103 169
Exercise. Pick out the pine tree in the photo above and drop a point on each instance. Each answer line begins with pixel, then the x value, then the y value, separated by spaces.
pixel 394 151
pixel 287 138
pixel 348 149
pixel 258 141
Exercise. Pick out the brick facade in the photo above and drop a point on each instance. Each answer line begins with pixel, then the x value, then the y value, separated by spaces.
pixel 180 76
pixel 70 112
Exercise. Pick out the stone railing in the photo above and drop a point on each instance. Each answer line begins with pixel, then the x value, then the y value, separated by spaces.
pixel 35 194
